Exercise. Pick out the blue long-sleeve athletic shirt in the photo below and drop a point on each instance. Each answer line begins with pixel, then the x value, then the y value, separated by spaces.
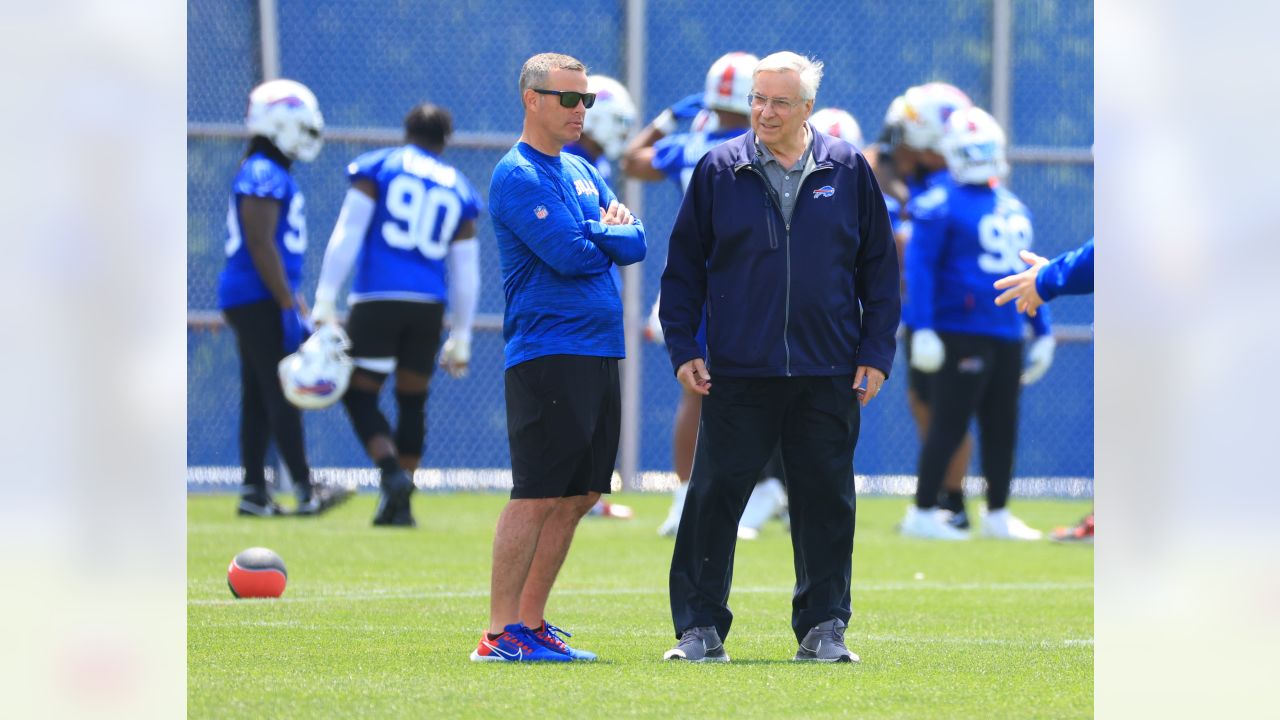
pixel 1071 273
pixel 556 255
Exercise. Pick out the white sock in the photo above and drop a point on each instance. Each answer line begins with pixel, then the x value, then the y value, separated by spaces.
pixel 677 502
pixel 766 500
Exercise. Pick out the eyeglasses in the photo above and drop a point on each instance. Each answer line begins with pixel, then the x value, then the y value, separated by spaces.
pixel 570 98
pixel 780 105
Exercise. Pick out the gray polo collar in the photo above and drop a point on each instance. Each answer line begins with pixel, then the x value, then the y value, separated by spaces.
pixel 804 161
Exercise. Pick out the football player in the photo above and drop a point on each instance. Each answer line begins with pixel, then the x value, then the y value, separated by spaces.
pixel 408 227
pixel 967 232
pixel 257 289
pixel 913 128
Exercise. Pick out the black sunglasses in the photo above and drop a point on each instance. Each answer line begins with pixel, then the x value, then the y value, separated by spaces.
pixel 570 98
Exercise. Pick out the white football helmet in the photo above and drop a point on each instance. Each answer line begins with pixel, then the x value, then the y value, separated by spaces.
pixel 925 109
pixel 838 123
pixel 286 113
pixel 611 118
pixel 729 83
pixel 318 373
pixel 974 147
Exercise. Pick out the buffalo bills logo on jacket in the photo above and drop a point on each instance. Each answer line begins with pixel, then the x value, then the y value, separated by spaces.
pixel 824 191
pixel 540 212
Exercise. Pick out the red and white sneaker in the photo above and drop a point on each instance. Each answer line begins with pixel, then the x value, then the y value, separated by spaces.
pixel 612 510
pixel 1081 533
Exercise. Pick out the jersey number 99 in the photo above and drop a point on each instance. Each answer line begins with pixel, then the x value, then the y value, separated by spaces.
pixel 429 217
pixel 1002 236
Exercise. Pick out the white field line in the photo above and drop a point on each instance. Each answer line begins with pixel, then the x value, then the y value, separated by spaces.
pixel 368 595
pixel 855 637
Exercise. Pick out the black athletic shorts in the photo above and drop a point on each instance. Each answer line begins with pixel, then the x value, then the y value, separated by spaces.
pixel 564 414
pixel 386 334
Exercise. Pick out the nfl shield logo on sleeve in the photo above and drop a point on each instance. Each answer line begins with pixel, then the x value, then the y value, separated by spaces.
pixel 540 212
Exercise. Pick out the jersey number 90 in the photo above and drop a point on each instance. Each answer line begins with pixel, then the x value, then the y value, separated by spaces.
pixel 422 218
pixel 1002 236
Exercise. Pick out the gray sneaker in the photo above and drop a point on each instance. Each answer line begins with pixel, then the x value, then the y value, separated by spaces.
pixel 825 643
pixel 699 644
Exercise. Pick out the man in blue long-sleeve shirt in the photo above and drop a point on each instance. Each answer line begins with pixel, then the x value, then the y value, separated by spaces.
pixel 560 231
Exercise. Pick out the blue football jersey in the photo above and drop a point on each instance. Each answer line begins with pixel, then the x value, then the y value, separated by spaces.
pixel 260 176
pixel 421 203
pixel 916 186
pixel 675 155
pixel 965 237
pixel 602 164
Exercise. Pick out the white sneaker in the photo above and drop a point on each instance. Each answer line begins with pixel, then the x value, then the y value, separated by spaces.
pixel 930 524
pixel 1002 525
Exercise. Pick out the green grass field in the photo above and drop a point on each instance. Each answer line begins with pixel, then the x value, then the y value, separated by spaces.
pixel 380 622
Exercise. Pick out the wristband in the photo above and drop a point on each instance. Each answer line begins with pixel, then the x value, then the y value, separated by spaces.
pixel 665 123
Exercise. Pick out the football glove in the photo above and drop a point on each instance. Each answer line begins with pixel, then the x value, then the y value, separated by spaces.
pixel 455 356
pixel 927 351
pixel 1039 358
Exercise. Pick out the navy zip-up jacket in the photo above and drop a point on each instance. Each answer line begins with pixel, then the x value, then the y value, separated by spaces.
pixel 817 297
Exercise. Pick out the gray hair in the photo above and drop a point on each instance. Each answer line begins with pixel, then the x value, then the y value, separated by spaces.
pixel 809 69
pixel 537 68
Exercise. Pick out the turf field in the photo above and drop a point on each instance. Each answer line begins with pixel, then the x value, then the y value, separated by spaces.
pixel 380 622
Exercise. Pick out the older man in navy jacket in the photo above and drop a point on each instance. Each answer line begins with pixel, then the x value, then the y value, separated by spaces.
pixel 783 236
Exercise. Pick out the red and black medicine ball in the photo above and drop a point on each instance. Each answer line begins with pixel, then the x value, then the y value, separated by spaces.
pixel 257 573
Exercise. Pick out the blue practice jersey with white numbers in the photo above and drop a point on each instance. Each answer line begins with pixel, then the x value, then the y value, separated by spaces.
pixel 556 255
pixel 421 203
pixel 675 155
pixel 260 176
pixel 964 238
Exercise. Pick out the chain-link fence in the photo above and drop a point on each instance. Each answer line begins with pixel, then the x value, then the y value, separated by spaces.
pixel 369 62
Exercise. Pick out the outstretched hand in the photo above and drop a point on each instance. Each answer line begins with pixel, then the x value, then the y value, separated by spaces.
pixel 1023 285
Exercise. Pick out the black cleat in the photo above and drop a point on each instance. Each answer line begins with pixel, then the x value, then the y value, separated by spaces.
pixel 959 520
pixel 258 503
pixel 321 498
pixel 393 505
